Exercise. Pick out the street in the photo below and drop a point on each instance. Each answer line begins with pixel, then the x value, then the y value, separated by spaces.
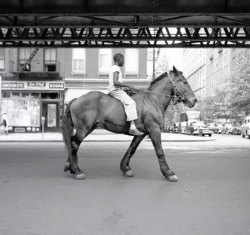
pixel 212 195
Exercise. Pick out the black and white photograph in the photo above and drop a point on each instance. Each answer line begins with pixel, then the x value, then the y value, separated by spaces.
pixel 124 117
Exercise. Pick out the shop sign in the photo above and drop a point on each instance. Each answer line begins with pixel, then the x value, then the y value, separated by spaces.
pixel 33 85
pixel 9 85
pixel 36 84
pixel 56 85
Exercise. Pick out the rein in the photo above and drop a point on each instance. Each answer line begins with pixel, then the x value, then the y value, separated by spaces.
pixel 172 96
pixel 176 98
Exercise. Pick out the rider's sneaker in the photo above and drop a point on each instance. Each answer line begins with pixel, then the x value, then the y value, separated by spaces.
pixel 135 132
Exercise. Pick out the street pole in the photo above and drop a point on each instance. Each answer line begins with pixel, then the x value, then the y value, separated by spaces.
pixel 0 97
pixel 153 64
pixel 153 60
pixel 43 122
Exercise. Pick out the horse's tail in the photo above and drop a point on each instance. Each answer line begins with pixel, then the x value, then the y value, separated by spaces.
pixel 67 127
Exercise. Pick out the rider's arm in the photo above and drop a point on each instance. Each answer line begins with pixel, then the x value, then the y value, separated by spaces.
pixel 119 84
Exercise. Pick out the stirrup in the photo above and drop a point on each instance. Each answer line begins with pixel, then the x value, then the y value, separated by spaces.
pixel 135 132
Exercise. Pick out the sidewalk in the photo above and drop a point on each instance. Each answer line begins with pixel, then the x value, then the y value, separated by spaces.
pixel 97 136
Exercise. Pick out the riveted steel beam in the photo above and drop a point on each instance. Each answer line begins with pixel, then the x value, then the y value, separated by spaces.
pixel 125 37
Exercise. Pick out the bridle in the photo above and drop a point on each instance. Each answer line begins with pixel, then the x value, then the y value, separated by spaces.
pixel 176 98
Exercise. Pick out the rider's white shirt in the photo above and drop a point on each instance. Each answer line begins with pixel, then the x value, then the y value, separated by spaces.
pixel 114 68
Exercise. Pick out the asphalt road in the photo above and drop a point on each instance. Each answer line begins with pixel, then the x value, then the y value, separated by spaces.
pixel 212 195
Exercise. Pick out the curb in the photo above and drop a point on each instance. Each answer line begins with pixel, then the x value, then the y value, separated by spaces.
pixel 94 141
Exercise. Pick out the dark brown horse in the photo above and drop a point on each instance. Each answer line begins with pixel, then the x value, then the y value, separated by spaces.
pixel 96 109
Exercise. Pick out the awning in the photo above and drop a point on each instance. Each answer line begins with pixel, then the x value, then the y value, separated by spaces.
pixel 75 93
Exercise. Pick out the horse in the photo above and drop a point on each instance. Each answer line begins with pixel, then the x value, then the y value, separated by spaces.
pixel 96 109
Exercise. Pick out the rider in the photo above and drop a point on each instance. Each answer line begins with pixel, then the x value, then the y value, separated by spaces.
pixel 115 90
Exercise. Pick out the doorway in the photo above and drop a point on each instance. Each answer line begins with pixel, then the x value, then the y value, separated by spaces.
pixel 51 114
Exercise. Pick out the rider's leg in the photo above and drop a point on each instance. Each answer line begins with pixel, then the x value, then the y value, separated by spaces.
pixel 130 109
pixel 133 130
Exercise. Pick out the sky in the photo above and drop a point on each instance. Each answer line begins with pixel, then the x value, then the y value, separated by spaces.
pixel 174 56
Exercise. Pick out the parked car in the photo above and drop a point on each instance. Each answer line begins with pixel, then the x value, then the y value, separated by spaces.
pixel 170 128
pixel 236 130
pixel 213 127
pixel 202 131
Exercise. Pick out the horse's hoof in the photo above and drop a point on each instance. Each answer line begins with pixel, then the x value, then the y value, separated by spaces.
pixel 80 176
pixel 172 178
pixel 129 173
pixel 66 166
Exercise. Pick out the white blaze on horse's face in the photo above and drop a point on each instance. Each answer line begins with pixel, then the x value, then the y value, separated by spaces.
pixel 184 88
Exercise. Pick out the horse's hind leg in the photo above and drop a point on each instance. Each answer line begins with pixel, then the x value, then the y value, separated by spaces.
pixel 72 162
pixel 124 166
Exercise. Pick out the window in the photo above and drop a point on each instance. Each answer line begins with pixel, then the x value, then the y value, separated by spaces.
pixel 131 61
pixel 35 95
pixel 105 60
pixel 1 59
pixel 6 94
pixel 24 54
pixel 52 114
pixel 15 94
pixel 25 94
pixel 50 55
pixel 1 64
pixel 79 59
pixel 50 60
pixel 52 95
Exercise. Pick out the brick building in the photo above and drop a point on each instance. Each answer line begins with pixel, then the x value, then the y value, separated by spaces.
pixel 37 83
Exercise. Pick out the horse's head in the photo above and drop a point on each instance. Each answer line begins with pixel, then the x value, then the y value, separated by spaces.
pixel 182 90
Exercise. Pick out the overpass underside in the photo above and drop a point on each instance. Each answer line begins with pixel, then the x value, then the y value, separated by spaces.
pixel 112 23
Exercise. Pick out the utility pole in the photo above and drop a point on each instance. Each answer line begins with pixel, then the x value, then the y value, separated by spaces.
pixel 0 97
pixel 153 75
pixel 153 64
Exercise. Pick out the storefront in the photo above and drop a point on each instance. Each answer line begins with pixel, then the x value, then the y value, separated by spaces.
pixel 26 102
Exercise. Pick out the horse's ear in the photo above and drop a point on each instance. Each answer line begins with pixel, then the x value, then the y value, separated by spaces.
pixel 174 69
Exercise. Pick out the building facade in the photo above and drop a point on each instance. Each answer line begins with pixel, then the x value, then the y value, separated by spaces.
pixel 36 83
pixel 195 69
pixel 88 70
pixel 219 69
pixel 32 89
pixel 209 69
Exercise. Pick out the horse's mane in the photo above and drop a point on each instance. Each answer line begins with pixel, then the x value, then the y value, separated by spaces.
pixel 159 78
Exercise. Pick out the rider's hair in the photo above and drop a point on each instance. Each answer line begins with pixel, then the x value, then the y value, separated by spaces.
pixel 117 57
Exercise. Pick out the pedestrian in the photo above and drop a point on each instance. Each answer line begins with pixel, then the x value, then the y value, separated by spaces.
pixel 4 124
pixel 115 89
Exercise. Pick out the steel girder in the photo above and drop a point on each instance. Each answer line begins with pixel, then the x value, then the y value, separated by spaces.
pixel 125 37
pixel 128 23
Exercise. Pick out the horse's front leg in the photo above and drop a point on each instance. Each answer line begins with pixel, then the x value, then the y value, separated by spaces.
pixel 156 140
pixel 124 166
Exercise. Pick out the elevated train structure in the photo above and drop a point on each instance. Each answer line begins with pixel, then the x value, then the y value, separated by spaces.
pixel 112 23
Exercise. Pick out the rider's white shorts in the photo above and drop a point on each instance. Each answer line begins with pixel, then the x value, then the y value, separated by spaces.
pixel 128 102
